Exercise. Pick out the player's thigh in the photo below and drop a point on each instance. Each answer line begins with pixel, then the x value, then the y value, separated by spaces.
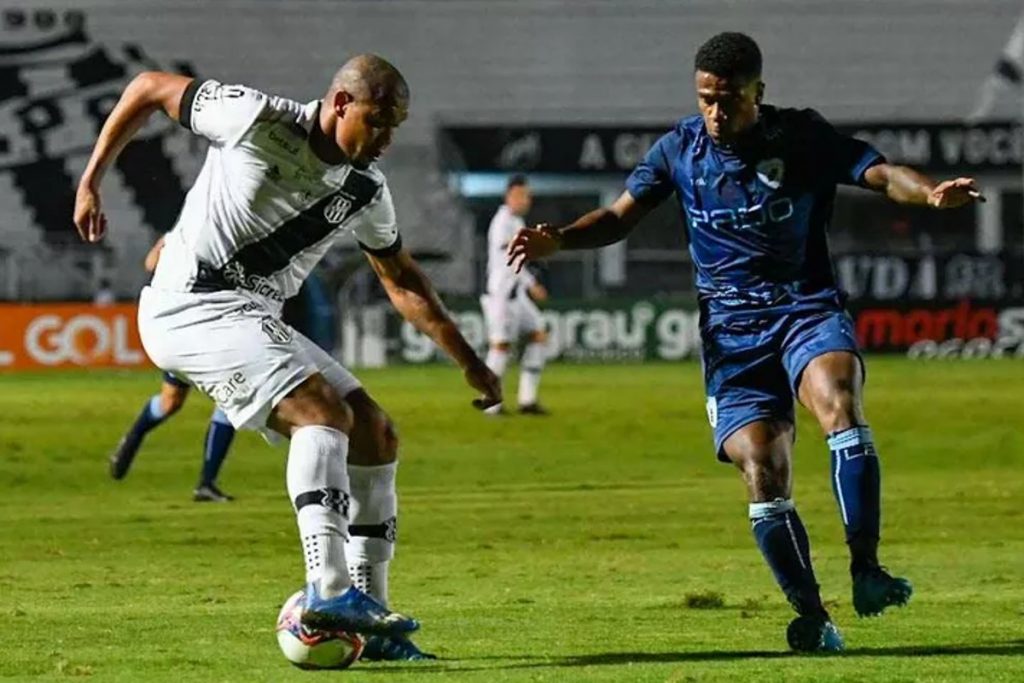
pixel 228 346
pixel 531 321
pixel 745 383
pixel 313 402
pixel 498 319
pixel 825 367
pixel 372 437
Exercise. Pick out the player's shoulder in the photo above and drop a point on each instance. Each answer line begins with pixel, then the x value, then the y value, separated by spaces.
pixel 266 107
pixel 210 91
pixel 803 119
pixel 685 131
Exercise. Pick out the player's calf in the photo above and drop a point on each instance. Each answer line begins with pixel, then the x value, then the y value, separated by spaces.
pixel 761 451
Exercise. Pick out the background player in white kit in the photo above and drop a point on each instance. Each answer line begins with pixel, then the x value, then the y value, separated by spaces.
pixel 509 304
pixel 282 181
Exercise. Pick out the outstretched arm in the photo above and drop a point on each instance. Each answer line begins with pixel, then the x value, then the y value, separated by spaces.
pixel 904 185
pixel 414 297
pixel 148 92
pixel 599 228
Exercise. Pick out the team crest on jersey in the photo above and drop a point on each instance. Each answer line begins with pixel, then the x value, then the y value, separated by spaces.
pixel 770 172
pixel 337 209
pixel 276 330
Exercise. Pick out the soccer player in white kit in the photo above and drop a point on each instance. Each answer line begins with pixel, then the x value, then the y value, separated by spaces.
pixel 282 182
pixel 509 304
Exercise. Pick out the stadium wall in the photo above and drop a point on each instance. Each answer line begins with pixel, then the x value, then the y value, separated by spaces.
pixel 496 62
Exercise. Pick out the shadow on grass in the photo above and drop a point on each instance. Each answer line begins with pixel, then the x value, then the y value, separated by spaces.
pixel 1013 648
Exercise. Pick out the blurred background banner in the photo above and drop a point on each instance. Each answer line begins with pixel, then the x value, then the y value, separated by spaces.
pixel 62 336
pixel 506 86
pixel 937 147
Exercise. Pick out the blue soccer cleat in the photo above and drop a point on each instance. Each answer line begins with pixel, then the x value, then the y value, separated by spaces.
pixel 814 634
pixel 353 611
pixel 393 649
pixel 875 589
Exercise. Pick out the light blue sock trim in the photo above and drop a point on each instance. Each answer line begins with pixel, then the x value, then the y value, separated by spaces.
pixel 854 436
pixel 219 417
pixel 155 411
pixel 772 507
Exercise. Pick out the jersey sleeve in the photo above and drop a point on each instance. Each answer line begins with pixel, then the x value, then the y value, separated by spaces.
pixel 527 278
pixel 845 158
pixel 377 229
pixel 651 180
pixel 218 112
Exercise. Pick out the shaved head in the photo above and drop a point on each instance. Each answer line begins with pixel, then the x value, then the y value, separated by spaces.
pixel 367 100
pixel 370 78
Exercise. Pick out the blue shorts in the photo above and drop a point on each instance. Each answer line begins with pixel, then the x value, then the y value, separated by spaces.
pixel 753 364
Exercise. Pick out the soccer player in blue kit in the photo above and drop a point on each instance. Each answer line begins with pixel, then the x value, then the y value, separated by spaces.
pixel 756 185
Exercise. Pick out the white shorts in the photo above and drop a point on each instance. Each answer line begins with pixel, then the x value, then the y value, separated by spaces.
pixel 235 349
pixel 508 319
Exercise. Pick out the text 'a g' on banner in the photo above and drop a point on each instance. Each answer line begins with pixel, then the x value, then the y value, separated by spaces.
pixel 76 335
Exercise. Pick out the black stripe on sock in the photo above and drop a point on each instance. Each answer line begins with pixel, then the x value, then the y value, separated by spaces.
pixel 334 499
pixel 388 530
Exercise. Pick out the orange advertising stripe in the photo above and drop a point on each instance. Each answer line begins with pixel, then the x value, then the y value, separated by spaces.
pixel 70 336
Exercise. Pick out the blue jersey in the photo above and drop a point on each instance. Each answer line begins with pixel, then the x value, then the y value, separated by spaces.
pixel 757 219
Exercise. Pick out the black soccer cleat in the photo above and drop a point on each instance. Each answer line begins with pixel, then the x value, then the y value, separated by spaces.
pixel 533 409
pixel 122 457
pixel 209 493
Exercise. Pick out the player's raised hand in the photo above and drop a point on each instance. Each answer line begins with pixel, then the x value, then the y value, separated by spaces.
pixel 530 244
pixel 949 194
pixel 480 377
pixel 90 221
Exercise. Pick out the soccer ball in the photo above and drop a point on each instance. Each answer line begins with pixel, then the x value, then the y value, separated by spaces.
pixel 314 648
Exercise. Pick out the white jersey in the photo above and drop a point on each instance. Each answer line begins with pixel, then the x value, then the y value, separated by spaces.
pixel 502 280
pixel 264 209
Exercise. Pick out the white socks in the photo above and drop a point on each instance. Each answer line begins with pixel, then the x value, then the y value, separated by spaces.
pixel 497 361
pixel 374 527
pixel 319 490
pixel 531 366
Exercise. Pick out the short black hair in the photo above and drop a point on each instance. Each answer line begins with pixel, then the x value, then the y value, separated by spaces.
pixel 730 55
pixel 517 180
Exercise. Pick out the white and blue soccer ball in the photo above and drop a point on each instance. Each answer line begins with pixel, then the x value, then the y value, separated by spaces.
pixel 309 648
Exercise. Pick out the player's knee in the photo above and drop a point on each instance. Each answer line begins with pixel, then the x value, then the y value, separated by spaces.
pixel 387 434
pixel 762 454
pixel 172 401
pixel 501 346
pixel 839 408
pixel 312 403
pixel 374 438
pixel 539 337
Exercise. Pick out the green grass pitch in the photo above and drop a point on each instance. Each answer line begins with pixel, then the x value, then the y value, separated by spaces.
pixel 604 543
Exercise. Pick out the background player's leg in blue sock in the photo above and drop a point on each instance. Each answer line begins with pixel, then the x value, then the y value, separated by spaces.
pixel 154 412
pixel 219 436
